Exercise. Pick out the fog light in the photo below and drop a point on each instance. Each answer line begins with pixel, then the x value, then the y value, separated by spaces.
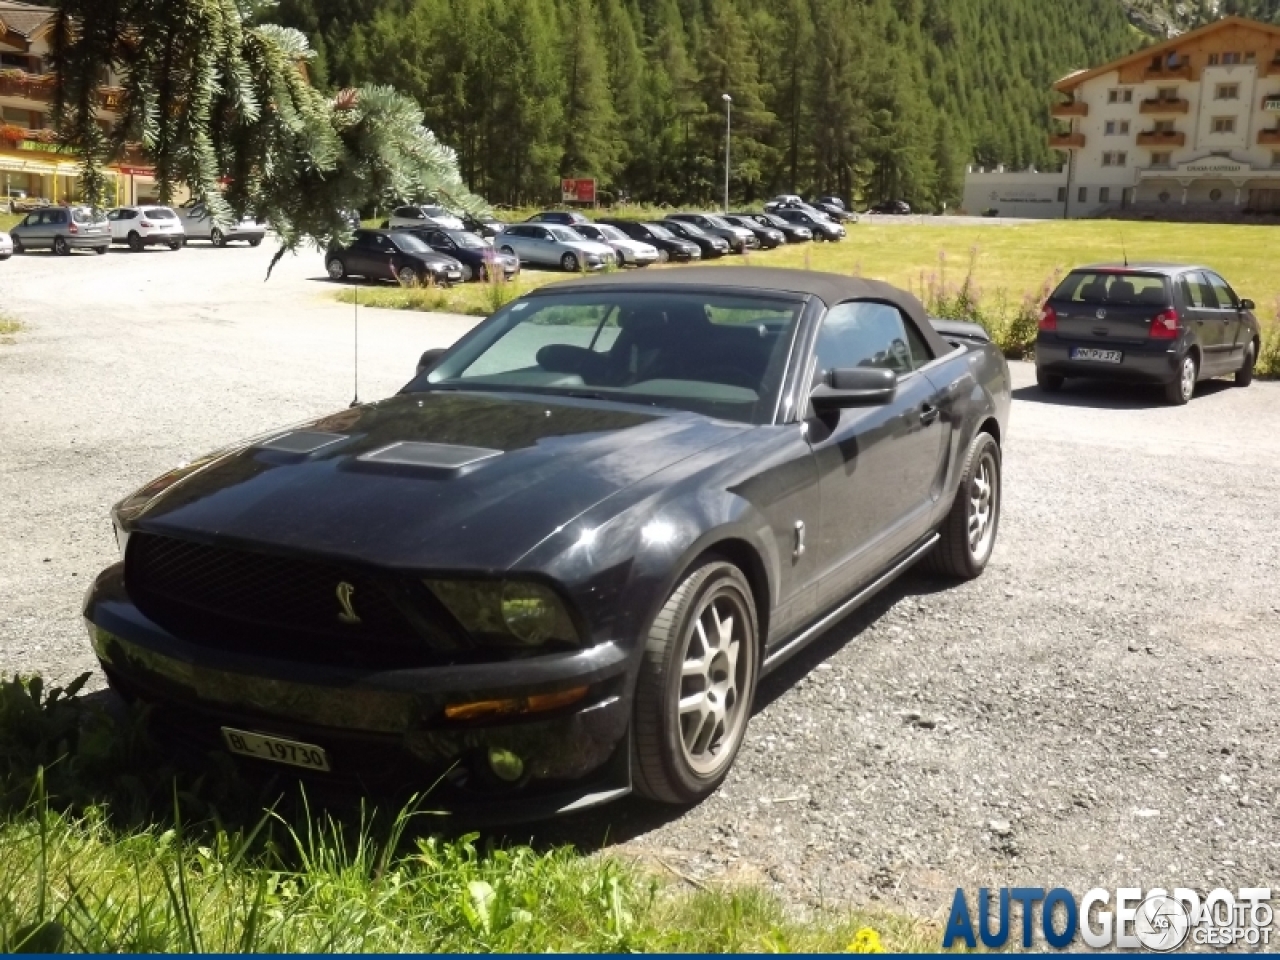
pixel 505 765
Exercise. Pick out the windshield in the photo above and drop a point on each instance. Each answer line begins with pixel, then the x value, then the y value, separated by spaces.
pixel 437 212
pixel 409 243
pixel 566 234
pixel 720 222
pixel 717 354
pixel 690 228
pixel 464 239
pixel 662 233
pixel 611 233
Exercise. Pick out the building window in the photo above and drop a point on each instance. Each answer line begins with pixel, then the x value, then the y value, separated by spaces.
pixel 1250 56
pixel 1275 158
pixel 1119 95
pixel 1116 158
pixel 1214 59
pixel 1224 124
pixel 1163 126
pixel 1117 127
pixel 1227 91
pixel 1230 59
pixel 1167 94
pixel 1082 195
pixel 1104 195
pixel 1062 191
pixel 1160 159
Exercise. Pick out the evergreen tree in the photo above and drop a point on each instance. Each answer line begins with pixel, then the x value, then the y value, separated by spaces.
pixel 590 140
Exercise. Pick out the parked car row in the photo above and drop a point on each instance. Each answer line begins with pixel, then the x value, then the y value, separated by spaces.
pixel 69 227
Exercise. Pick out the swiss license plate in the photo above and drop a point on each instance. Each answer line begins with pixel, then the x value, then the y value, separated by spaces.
pixel 1098 356
pixel 276 749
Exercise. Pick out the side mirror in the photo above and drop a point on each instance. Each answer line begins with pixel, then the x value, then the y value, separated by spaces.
pixel 1247 304
pixel 855 387
pixel 429 359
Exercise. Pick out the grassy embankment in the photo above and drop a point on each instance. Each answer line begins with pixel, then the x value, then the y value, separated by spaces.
pixel 996 275
pixel 105 847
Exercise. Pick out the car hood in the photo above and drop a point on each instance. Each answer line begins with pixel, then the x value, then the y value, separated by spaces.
pixel 587 246
pixel 546 461
pixel 434 259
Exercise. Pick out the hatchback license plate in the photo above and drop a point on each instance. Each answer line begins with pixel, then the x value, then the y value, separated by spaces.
pixel 1099 356
pixel 276 749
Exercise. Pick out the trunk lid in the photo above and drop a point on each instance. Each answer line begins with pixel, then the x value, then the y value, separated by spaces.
pixel 1110 306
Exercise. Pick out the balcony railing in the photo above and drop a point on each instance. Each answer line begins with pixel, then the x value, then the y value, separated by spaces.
pixel 39 87
pixel 1072 108
pixel 1162 138
pixel 1269 137
pixel 1167 72
pixel 1066 141
pixel 1159 105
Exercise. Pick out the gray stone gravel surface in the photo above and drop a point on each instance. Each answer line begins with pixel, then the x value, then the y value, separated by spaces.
pixel 1098 709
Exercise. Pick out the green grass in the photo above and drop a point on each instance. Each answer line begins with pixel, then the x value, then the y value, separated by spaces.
pixel 8 326
pixel 1008 267
pixel 104 847
pixel 10 220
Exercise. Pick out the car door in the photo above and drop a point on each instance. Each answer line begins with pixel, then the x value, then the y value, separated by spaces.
pixel 1205 321
pixel 362 253
pixel 515 237
pixel 878 466
pixel 542 246
pixel 1229 316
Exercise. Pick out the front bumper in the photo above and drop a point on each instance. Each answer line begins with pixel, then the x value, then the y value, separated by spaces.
pixel 383 731
pixel 1141 363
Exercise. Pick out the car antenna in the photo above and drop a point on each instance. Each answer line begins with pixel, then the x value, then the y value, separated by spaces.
pixel 1123 251
pixel 355 345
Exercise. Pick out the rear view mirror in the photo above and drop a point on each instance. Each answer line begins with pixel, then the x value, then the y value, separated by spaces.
pixel 1247 304
pixel 429 359
pixel 855 387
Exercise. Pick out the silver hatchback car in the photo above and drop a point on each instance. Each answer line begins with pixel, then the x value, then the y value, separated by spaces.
pixel 550 245
pixel 63 229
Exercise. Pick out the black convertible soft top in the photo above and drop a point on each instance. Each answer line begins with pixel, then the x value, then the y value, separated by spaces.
pixel 830 288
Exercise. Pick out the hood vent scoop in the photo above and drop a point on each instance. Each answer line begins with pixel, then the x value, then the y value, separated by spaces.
pixel 435 456
pixel 301 442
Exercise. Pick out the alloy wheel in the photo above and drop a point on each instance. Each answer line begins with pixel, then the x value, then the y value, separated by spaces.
pixel 60 246
pixel 984 497
pixel 216 238
pixel 569 262
pixel 1188 377
pixel 715 676
pixel 336 269
pixel 408 277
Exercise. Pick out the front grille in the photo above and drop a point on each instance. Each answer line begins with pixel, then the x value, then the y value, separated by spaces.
pixel 281 607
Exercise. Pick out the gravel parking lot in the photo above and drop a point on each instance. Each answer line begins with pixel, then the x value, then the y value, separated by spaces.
pixel 1098 709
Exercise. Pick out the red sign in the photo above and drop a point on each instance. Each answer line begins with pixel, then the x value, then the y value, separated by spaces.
pixel 138 171
pixel 580 190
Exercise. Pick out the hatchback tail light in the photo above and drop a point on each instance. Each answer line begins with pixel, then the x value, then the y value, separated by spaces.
pixel 1048 318
pixel 146 223
pixel 1164 325
pixel 72 228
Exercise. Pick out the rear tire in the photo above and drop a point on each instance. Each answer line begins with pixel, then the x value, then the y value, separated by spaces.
pixel 60 246
pixel 1179 391
pixel 101 250
pixel 17 245
pixel 702 652
pixel 969 531
pixel 175 244
pixel 256 241
pixel 1244 376
pixel 1049 382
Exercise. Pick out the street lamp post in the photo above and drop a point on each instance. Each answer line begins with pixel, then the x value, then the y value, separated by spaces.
pixel 728 127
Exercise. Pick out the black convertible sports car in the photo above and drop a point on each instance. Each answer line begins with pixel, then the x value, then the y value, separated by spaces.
pixel 554 567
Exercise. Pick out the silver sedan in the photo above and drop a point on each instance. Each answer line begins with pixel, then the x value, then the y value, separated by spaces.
pixel 551 245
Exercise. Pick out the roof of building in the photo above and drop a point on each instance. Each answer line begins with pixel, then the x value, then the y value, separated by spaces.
pixel 25 19
pixel 1074 79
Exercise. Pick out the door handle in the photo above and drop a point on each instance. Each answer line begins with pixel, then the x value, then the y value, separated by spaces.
pixel 928 414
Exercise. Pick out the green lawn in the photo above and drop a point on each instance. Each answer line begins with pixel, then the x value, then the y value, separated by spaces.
pixel 1009 268
pixel 107 847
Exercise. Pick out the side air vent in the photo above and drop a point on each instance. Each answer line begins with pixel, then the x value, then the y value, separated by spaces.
pixel 436 456
pixel 301 442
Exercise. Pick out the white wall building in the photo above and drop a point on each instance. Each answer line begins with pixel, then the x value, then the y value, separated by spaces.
pixel 1186 128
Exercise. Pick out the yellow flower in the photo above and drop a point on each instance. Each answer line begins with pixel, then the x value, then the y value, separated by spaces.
pixel 865 940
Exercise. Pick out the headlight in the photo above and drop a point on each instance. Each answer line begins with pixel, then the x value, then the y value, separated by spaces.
pixel 507 613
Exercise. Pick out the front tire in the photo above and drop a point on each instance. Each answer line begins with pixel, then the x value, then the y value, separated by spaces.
pixel 216 238
pixel 969 531
pixel 1180 390
pixel 408 277
pixel 696 686
pixel 569 262
pixel 664 256
pixel 1049 382
pixel 17 245
pixel 1244 376
pixel 336 269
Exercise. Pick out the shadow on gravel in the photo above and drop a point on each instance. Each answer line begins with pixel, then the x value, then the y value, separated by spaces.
pixel 1101 395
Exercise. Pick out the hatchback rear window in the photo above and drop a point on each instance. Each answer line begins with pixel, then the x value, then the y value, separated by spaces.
pixel 160 213
pixel 87 215
pixel 1084 286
